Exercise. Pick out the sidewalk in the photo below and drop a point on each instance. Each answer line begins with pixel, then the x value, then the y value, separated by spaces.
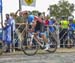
pixel 65 50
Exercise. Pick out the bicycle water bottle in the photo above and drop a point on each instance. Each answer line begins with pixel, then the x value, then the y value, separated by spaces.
pixel 46 34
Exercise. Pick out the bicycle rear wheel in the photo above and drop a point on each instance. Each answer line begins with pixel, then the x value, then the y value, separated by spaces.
pixel 29 48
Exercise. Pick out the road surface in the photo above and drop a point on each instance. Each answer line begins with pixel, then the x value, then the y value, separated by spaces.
pixel 39 58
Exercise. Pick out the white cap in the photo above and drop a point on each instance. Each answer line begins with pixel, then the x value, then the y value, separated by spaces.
pixel 70 18
pixel 53 18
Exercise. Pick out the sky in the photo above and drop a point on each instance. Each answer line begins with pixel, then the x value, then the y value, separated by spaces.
pixel 41 5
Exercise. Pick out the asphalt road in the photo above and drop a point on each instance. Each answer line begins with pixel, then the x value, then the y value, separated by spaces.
pixel 39 58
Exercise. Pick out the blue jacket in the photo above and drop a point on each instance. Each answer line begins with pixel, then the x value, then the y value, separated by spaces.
pixel 8 30
pixel 72 26
pixel 51 28
pixel 30 18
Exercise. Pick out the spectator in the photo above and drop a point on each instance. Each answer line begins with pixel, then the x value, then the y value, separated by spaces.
pixel 7 33
pixel 46 21
pixel 52 23
pixel 12 17
pixel 19 19
pixel 63 28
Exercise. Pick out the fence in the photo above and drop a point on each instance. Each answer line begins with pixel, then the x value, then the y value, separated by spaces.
pixel 19 36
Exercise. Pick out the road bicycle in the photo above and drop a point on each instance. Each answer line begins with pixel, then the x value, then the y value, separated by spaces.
pixel 31 49
pixel 24 38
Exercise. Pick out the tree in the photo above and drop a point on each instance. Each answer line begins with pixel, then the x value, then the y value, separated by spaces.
pixel 35 12
pixel 63 8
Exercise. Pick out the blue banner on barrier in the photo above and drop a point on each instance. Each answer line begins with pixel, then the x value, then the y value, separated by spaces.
pixel 0 6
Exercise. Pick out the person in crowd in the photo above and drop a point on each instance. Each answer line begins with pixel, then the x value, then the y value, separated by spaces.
pixel 71 22
pixel 52 24
pixel 64 23
pixel 25 16
pixel 46 21
pixel 9 29
pixel 7 33
pixel 71 25
pixel 13 28
pixel 20 19
pixel 54 29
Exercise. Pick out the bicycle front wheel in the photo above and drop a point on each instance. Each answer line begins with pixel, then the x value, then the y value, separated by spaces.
pixel 52 44
pixel 29 48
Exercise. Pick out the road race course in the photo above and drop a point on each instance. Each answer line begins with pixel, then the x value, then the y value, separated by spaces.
pixel 57 57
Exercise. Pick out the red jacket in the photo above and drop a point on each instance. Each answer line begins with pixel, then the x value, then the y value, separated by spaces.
pixel 46 22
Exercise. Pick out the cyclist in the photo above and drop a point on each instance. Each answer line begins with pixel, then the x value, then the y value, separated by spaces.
pixel 63 27
pixel 38 32
pixel 35 28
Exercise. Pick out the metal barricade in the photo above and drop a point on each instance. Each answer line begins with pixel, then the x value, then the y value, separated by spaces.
pixel 55 34
pixel 68 41
pixel 18 36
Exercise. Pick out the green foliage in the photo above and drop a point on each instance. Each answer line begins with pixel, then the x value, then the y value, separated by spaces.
pixel 63 8
pixel 35 12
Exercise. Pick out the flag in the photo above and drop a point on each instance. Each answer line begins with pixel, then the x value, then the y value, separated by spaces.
pixel 28 2
pixel 0 6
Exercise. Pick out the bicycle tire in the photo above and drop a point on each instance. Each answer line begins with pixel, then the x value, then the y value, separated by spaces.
pixel 25 47
pixel 52 44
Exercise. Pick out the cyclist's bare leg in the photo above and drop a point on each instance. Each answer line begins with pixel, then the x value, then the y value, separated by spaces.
pixel 46 40
pixel 37 40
